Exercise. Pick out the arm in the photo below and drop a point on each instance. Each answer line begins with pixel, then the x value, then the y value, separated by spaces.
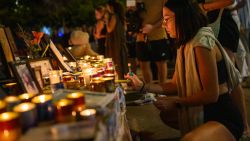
pixel 216 4
pixel 206 63
pixel 167 88
pixel 98 29
pixel 239 5
pixel 110 24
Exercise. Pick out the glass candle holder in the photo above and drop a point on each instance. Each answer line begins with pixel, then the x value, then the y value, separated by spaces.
pixel 26 97
pixel 88 114
pixel 67 78
pixel 97 85
pixel 109 84
pixel 45 108
pixel 55 78
pixel 2 106
pixel 78 99
pixel 64 109
pixel 11 101
pixel 11 88
pixel 28 114
pixel 10 129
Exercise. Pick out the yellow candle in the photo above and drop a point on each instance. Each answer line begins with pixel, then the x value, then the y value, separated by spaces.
pixel 9 126
pixel 2 106
pixel 11 102
pixel 26 97
pixel 10 99
pixel 88 114
pixel 41 99
pixel 24 107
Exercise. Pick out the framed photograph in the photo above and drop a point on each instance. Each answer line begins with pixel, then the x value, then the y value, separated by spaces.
pixel 38 76
pixel 56 53
pixel 6 55
pixel 44 63
pixel 69 56
pixel 25 78
pixel 11 40
pixel 4 68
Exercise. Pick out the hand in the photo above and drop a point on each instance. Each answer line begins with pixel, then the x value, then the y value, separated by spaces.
pixel 166 103
pixel 136 82
pixel 106 17
pixel 147 28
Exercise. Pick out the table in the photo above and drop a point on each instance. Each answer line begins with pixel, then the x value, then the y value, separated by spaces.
pixel 112 127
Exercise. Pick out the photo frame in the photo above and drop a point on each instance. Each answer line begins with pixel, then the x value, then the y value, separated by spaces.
pixel 56 53
pixel 6 55
pixel 37 73
pixel 5 72
pixel 11 40
pixel 69 56
pixel 44 63
pixel 24 77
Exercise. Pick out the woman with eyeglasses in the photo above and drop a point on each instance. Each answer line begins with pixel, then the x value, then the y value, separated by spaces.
pixel 203 80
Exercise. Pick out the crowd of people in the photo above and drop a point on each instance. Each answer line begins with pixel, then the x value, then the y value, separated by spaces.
pixel 212 59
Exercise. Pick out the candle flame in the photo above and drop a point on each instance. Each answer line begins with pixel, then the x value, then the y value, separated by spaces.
pixel 88 112
pixel 6 133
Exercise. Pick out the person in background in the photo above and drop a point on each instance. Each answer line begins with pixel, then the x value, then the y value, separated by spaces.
pixel 152 43
pixel 100 30
pixel 206 110
pixel 80 46
pixel 116 38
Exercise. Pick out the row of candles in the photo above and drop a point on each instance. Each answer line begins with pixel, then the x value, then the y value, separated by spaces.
pixel 18 114
pixel 95 77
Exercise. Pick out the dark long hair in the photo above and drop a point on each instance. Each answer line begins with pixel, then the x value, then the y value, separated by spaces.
pixel 118 9
pixel 188 19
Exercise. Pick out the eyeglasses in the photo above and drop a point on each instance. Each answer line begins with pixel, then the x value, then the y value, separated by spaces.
pixel 166 21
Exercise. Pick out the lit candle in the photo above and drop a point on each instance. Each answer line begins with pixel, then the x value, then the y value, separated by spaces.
pixel 100 57
pixel 78 99
pixel 64 108
pixel 55 78
pixel 2 106
pixel 45 108
pixel 97 85
pixel 86 57
pixel 11 102
pixel 9 126
pixel 28 114
pixel 109 84
pixel 67 78
pixel 88 114
pixel 11 88
pixel 108 62
pixel 26 97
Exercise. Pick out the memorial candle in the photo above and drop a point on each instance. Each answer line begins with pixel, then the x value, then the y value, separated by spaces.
pixel 78 99
pixel 28 114
pixel 2 106
pixel 11 101
pixel 9 126
pixel 45 108
pixel 64 108
pixel 26 97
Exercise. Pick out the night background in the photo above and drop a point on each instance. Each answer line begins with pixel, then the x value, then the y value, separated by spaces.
pixel 49 13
